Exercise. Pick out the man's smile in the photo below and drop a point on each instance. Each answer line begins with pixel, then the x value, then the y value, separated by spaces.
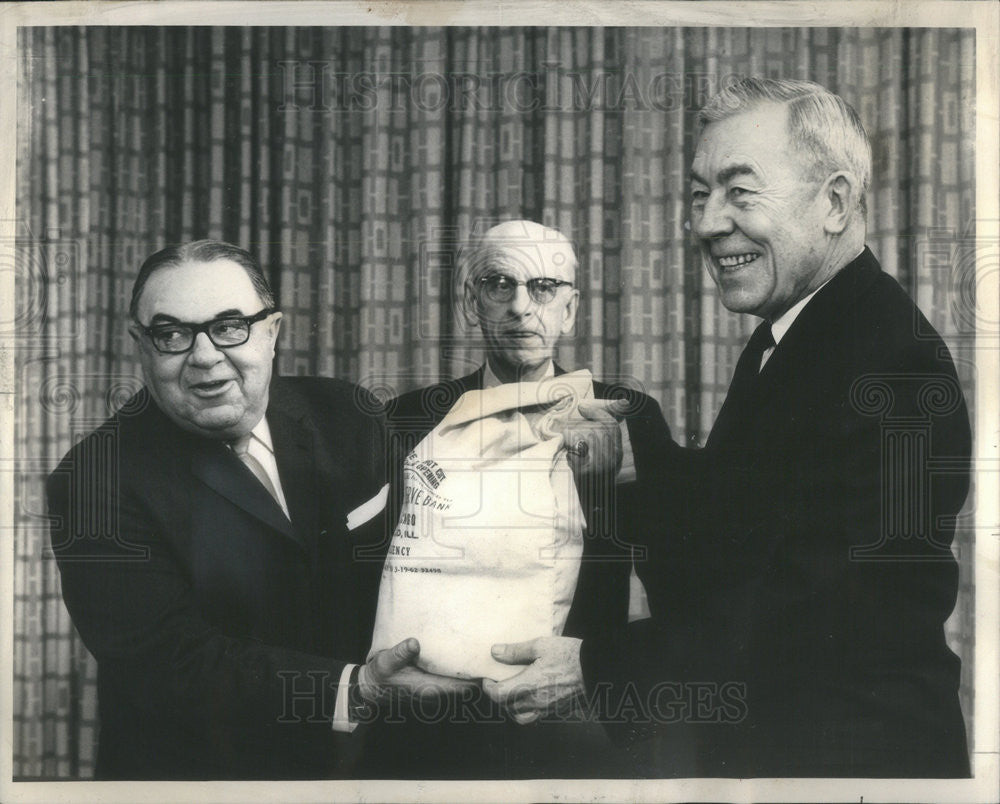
pixel 733 261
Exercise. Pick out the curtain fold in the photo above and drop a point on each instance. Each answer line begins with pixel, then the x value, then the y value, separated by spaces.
pixel 356 161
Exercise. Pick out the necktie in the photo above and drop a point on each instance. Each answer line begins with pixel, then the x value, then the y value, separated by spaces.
pixel 241 446
pixel 748 366
pixel 761 340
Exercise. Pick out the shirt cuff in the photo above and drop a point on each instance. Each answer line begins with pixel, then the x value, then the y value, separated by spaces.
pixel 341 710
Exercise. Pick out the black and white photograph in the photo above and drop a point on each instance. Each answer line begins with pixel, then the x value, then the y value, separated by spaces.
pixel 500 401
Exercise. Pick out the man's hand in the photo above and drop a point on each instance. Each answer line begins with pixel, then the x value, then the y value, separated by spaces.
pixel 394 671
pixel 553 674
pixel 594 441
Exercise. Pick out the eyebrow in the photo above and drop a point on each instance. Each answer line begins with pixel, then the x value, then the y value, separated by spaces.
pixel 163 318
pixel 728 173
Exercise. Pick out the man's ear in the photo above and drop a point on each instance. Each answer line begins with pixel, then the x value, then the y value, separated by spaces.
pixel 841 193
pixel 134 332
pixel 569 313
pixel 470 305
pixel 273 328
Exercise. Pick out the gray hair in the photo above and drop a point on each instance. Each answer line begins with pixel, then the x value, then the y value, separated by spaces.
pixel 201 251
pixel 820 123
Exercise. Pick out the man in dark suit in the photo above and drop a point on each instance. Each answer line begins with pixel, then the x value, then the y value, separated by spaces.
pixel 206 540
pixel 799 567
pixel 518 287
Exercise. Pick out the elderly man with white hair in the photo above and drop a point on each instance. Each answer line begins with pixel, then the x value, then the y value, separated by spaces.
pixel 799 567
pixel 518 285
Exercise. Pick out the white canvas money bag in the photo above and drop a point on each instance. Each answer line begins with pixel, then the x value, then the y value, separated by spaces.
pixel 488 544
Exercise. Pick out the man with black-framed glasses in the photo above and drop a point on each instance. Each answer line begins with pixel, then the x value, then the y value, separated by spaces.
pixel 206 539
pixel 517 285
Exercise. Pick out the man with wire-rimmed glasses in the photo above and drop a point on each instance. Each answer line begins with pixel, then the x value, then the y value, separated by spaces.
pixel 205 537
pixel 517 284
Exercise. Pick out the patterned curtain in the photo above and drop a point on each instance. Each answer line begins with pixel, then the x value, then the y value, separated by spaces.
pixel 355 162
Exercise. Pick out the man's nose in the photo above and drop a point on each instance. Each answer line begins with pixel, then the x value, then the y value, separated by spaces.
pixel 713 219
pixel 521 301
pixel 204 352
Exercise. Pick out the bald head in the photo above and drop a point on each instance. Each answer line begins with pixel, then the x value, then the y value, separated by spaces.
pixel 518 288
pixel 530 244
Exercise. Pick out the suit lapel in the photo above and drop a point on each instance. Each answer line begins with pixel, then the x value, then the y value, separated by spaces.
pixel 294 452
pixel 739 401
pixel 471 382
pixel 292 435
pixel 802 348
pixel 218 468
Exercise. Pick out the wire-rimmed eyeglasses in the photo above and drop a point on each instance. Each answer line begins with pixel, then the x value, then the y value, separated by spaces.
pixel 500 288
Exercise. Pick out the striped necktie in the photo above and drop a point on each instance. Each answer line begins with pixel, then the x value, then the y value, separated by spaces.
pixel 241 446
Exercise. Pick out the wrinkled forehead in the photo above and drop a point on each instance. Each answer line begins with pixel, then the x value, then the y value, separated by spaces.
pixel 753 142
pixel 526 260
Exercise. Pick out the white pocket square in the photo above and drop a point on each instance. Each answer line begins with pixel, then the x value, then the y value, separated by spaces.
pixel 369 509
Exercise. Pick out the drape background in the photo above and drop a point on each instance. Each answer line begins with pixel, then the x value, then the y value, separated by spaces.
pixel 355 161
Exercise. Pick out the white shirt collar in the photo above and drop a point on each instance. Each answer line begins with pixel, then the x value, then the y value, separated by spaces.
pixel 785 321
pixel 262 433
pixel 490 380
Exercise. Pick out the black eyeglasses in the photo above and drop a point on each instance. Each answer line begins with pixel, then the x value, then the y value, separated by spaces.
pixel 175 339
pixel 500 288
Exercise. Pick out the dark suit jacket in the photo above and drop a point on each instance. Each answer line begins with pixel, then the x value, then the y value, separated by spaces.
pixel 219 627
pixel 476 741
pixel 804 556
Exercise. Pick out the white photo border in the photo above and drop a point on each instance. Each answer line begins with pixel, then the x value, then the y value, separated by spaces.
pixel 982 15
